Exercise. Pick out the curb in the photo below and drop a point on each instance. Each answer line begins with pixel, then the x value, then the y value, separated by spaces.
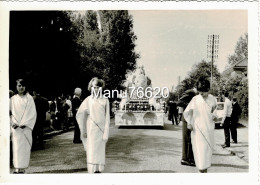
pixel 239 155
pixel 56 132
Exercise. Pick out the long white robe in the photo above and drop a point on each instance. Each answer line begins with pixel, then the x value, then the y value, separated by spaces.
pixel 198 113
pixel 93 118
pixel 23 113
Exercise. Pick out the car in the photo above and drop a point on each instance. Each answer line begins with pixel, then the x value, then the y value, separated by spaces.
pixel 219 113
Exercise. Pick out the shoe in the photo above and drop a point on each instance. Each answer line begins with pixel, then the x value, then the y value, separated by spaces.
pixel 77 142
pixel 192 163
pixel 233 141
pixel 187 163
pixel 225 146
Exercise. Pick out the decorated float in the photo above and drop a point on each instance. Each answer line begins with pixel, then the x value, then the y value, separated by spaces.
pixel 138 105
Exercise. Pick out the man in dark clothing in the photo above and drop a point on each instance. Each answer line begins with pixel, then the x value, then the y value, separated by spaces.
pixel 173 112
pixel 236 112
pixel 187 153
pixel 42 106
pixel 75 105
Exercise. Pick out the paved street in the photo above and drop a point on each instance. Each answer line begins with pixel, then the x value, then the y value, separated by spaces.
pixel 137 150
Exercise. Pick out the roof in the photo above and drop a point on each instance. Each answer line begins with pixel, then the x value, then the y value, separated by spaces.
pixel 242 64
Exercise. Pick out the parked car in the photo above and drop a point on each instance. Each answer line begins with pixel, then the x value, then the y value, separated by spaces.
pixel 219 112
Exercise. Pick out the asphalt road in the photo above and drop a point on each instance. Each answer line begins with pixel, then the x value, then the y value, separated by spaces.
pixel 134 150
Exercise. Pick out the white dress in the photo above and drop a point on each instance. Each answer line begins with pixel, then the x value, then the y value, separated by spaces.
pixel 23 113
pixel 198 113
pixel 93 118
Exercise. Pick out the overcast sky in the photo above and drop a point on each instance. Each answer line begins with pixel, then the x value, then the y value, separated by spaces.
pixel 171 42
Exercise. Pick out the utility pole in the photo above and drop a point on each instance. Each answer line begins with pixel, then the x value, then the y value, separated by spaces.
pixel 212 52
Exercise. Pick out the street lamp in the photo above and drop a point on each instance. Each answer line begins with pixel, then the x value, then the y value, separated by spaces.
pixel 212 52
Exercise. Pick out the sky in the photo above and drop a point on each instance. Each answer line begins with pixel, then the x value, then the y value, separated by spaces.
pixel 171 42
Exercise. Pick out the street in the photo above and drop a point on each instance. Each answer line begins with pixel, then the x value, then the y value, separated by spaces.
pixel 137 150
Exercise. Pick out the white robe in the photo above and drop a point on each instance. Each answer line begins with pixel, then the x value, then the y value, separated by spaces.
pixel 23 113
pixel 198 113
pixel 93 118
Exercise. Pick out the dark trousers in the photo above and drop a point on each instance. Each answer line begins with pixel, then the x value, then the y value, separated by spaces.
pixel 227 128
pixel 37 133
pixel 233 128
pixel 187 153
pixel 76 131
pixel 175 118
pixel 180 116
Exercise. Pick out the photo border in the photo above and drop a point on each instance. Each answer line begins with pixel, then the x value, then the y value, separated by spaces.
pixel 252 177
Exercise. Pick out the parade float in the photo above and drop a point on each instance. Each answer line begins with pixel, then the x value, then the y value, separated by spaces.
pixel 138 105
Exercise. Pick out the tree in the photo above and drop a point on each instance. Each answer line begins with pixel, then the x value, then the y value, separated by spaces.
pixel 43 49
pixel 118 39
pixel 202 69
pixel 237 83
pixel 241 51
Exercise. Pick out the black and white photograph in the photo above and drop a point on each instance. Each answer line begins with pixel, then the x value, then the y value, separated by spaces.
pixel 165 91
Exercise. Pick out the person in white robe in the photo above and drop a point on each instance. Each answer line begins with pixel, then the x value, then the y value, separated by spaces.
pixel 22 119
pixel 93 117
pixel 199 116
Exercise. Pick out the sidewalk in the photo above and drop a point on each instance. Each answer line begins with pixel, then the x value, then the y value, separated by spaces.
pixel 50 132
pixel 239 149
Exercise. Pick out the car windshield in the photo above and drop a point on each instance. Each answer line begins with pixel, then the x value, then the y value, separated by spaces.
pixel 220 106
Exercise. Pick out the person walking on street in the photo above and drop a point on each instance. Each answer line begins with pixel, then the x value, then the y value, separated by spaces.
pixel 236 112
pixel 187 153
pixel 76 101
pixel 226 120
pixel 199 116
pixel 22 119
pixel 93 118
pixel 42 106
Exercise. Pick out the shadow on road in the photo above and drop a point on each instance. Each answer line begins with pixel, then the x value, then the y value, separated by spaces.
pixel 66 171
pixel 165 127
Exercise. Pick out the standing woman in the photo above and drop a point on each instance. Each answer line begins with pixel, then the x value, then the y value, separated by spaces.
pixel 93 117
pixel 22 118
pixel 199 116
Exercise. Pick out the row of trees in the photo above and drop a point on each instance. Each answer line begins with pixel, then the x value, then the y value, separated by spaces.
pixel 235 83
pixel 60 50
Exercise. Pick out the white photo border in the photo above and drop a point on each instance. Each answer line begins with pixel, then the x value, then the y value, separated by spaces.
pixel 252 177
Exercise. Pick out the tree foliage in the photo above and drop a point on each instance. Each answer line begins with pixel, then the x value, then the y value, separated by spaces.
pixel 241 50
pixel 60 50
pixel 202 69
pixel 237 83
pixel 119 43
pixel 43 50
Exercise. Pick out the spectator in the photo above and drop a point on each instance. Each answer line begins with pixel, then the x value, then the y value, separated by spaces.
pixel 64 114
pixel 226 120
pixel 187 153
pixel 76 101
pixel 236 112
pixel 53 110
pixel 42 106
pixel 69 103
